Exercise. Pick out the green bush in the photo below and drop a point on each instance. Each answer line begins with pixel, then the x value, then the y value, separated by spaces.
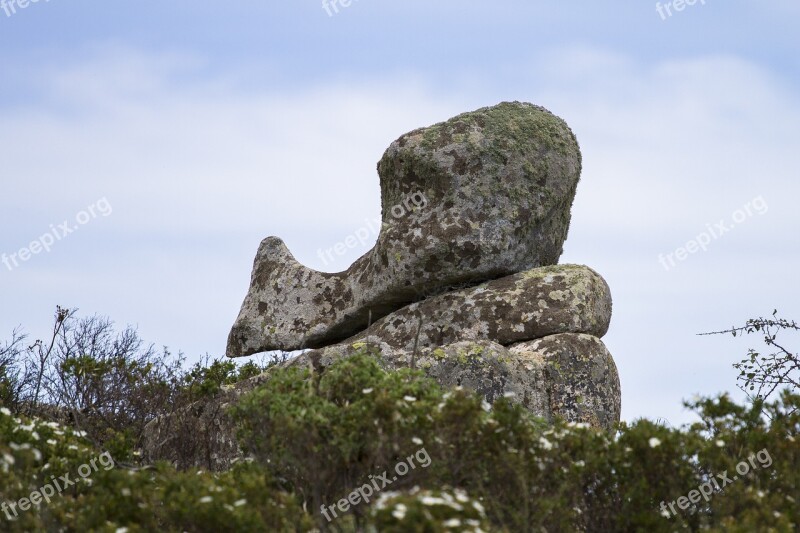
pixel 333 442
pixel 326 433
pixel 107 382
pixel 205 379
pixel 35 454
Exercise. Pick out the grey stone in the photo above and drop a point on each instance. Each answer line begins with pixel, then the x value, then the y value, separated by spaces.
pixel 581 378
pixel 529 305
pixel 568 375
pixel 461 284
pixel 484 195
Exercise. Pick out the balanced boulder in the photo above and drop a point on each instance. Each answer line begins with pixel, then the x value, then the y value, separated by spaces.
pixel 492 193
pixel 463 284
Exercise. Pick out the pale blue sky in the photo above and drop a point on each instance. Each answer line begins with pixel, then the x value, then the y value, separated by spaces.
pixel 208 126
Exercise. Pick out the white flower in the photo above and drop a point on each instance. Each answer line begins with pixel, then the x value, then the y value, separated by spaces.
pixel 399 511
pixel 121 530
pixel 478 507
pixel 665 513
pixel 206 499
pixel 409 398
pixel 580 464
pixel 239 503
pixel 453 522
pixel 125 491
pixel 52 442
pixel 367 391
pixel 5 411
pixel 8 458
pixel 546 444
pixel 485 405
pixel 654 442
pixel 417 441
pixel 430 500
pixel 720 443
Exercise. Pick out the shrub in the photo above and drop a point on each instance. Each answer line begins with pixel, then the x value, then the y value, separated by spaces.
pixel 13 379
pixel 326 433
pixel 320 436
pixel 106 382
pixel 35 453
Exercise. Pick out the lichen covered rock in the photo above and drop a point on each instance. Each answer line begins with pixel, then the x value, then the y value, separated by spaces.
pixel 525 306
pixel 484 195
pixel 462 284
pixel 567 375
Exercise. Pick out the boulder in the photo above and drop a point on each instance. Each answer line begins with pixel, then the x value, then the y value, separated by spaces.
pixel 462 284
pixel 567 375
pixel 529 305
pixel 483 195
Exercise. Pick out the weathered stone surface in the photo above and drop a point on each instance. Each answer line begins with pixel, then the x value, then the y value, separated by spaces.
pixel 525 306
pixel 580 376
pixel 484 195
pixel 569 375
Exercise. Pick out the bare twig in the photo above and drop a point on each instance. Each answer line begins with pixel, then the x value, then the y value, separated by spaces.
pixel 761 375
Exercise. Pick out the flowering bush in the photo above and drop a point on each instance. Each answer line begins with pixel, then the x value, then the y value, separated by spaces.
pixel 428 511
pixel 326 432
pixel 51 479
pixel 317 437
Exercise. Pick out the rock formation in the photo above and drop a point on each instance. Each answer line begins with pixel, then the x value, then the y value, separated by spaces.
pixel 463 286
pixel 497 185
